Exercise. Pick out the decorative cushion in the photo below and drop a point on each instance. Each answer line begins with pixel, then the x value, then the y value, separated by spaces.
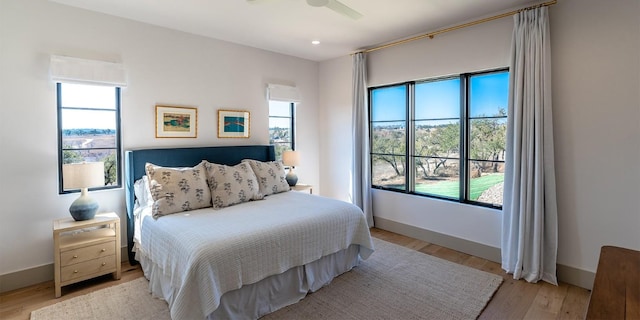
pixel 231 185
pixel 271 176
pixel 177 189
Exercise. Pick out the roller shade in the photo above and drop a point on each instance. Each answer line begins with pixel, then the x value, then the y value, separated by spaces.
pixel 279 92
pixel 70 69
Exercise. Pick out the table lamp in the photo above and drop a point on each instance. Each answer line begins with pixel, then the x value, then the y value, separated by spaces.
pixel 291 158
pixel 83 176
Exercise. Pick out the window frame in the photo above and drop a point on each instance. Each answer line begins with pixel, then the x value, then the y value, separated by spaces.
pixel 292 123
pixel 410 152
pixel 118 140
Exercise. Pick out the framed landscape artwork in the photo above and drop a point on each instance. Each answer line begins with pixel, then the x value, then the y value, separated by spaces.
pixel 233 124
pixel 176 122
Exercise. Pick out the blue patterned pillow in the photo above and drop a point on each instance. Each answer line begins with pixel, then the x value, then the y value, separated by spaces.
pixel 177 189
pixel 231 185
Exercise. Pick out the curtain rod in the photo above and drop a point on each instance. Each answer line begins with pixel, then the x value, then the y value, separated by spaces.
pixel 430 35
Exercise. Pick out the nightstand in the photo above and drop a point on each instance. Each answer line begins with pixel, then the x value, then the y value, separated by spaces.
pixel 303 188
pixel 86 249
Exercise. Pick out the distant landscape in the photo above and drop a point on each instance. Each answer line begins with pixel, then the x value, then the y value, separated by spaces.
pixel 101 144
pixel 437 167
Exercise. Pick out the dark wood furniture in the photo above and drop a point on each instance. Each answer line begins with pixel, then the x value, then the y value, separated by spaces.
pixel 616 289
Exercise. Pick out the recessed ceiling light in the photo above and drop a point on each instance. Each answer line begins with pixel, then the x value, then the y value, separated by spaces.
pixel 315 42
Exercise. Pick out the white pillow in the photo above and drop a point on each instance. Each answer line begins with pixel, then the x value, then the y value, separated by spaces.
pixel 231 185
pixel 142 192
pixel 271 176
pixel 177 189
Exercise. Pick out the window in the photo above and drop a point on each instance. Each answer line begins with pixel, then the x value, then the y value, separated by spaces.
pixel 281 126
pixel 89 129
pixel 442 138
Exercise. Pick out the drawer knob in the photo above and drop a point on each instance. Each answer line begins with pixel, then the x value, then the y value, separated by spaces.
pixel 75 256
pixel 75 271
pixel 103 250
pixel 104 263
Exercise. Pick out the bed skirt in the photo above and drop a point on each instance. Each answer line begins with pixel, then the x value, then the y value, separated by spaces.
pixel 268 295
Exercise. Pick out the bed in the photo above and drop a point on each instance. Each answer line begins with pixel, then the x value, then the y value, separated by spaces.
pixel 244 260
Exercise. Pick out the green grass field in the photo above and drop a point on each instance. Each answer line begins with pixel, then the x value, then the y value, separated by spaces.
pixel 452 188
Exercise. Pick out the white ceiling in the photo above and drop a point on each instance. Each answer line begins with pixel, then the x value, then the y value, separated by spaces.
pixel 289 26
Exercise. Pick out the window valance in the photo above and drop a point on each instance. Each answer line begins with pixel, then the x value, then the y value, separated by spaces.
pixel 70 69
pixel 279 92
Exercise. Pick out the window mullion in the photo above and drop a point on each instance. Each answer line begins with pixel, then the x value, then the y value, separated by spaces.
pixel 293 126
pixel 410 152
pixel 60 144
pixel 464 137
pixel 118 137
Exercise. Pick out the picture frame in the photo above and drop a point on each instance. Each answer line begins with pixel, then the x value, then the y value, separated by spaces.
pixel 176 122
pixel 233 124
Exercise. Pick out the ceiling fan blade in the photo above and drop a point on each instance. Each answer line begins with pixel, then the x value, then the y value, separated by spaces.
pixel 341 8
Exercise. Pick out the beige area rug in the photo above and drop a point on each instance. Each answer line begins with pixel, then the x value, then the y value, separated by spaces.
pixel 394 283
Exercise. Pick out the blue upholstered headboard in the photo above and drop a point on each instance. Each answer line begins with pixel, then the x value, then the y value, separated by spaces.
pixel 135 160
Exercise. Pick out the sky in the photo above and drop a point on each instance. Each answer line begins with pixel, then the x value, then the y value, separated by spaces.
pixel 88 96
pixel 441 99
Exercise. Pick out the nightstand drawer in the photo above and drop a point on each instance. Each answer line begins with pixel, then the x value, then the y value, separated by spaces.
pixel 87 253
pixel 82 269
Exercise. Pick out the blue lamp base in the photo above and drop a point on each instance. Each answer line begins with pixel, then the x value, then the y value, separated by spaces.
pixel 292 178
pixel 83 208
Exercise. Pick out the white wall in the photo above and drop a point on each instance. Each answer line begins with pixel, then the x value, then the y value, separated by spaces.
pixel 163 67
pixel 335 118
pixel 596 96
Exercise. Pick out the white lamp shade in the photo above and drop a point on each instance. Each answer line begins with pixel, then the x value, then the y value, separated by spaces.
pixel 291 158
pixel 83 175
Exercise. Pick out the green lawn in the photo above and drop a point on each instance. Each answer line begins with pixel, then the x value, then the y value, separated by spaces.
pixel 451 188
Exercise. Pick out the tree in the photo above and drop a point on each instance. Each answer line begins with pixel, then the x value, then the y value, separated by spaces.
pixel 110 169
pixel 389 146
pixel 436 144
pixel 70 156
pixel 488 141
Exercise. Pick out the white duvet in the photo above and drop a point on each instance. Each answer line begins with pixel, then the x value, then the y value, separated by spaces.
pixel 207 252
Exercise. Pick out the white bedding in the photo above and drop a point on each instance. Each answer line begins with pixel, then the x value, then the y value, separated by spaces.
pixel 206 253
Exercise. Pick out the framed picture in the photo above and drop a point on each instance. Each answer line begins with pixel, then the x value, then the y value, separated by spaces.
pixel 176 122
pixel 233 124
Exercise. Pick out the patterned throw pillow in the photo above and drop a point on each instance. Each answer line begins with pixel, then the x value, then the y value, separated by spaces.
pixel 271 176
pixel 231 185
pixel 177 189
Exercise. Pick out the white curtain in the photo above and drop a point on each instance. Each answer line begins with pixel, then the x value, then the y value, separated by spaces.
pixel 361 178
pixel 529 225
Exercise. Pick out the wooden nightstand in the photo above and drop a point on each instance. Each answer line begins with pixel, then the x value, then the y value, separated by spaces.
pixel 83 251
pixel 303 188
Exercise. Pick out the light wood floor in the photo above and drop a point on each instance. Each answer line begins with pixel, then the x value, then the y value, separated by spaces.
pixel 513 300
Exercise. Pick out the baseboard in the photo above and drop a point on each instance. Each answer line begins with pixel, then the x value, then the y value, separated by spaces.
pixel 466 246
pixel 575 276
pixel 31 276
pixel 567 274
